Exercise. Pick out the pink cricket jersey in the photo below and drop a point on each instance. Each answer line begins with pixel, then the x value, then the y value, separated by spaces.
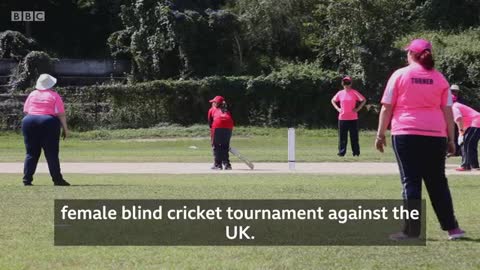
pixel 470 117
pixel 44 102
pixel 348 101
pixel 417 97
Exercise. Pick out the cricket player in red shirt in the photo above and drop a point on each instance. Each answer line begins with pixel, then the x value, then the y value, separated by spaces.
pixel 221 125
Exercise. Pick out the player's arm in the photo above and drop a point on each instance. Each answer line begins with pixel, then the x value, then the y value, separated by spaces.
pixel 459 122
pixel 360 106
pixel 210 119
pixel 448 115
pixel 383 122
pixel 335 105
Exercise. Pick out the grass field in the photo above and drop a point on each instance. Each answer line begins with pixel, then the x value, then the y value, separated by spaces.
pixel 26 213
pixel 175 145
pixel 26 224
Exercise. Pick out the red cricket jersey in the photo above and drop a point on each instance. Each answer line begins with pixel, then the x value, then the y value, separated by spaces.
pixel 222 119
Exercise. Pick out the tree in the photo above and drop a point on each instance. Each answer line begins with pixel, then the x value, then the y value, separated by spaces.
pixel 164 42
pixel 357 37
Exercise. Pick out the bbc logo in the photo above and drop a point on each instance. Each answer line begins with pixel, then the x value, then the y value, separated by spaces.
pixel 28 16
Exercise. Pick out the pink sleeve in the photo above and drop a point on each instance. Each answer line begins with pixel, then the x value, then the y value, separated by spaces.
pixel 456 112
pixel 360 97
pixel 336 98
pixel 59 106
pixel 390 93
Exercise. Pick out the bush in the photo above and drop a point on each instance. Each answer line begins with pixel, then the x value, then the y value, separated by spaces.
pixel 28 70
pixel 283 98
pixel 15 45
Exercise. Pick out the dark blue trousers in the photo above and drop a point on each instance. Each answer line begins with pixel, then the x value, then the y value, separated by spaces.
pixel 423 157
pixel 345 127
pixel 470 148
pixel 41 132
pixel 221 145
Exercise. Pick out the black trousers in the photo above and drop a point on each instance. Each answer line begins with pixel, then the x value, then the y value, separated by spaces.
pixel 221 145
pixel 423 157
pixel 41 132
pixel 345 127
pixel 470 148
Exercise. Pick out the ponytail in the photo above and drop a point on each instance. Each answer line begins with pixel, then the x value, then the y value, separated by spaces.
pixel 425 59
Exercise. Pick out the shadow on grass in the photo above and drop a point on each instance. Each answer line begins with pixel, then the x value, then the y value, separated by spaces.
pixel 463 239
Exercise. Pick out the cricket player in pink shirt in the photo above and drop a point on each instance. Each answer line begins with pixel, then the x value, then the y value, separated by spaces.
pixel 418 104
pixel 348 98
pixel 468 122
pixel 45 115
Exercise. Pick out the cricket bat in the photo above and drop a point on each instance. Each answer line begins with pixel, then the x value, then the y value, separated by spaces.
pixel 235 152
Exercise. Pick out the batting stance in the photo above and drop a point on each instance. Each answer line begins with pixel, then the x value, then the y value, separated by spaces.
pixel 348 116
pixel 221 125
pixel 45 114
pixel 418 103
pixel 468 123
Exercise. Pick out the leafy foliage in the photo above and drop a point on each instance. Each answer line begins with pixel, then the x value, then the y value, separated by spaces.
pixel 283 98
pixel 15 45
pixel 164 42
pixel 356 37
pixel 28 70
pixel 457 56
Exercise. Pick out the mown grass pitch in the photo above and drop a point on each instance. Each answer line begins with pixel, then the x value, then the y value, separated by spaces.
pixel 26 224
pixel 191 144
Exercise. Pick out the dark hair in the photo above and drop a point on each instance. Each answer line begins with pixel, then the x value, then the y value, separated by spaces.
pixel 425 59
pixel 223 106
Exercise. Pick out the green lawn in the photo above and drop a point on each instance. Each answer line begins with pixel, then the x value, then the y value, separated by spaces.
pixel 175 145
pixel 26 224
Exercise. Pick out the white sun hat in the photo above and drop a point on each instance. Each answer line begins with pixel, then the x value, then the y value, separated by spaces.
pixel 454 87
pixel 45 81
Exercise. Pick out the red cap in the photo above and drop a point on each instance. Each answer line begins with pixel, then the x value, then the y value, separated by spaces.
pixel 218 99
pixel 419 45
pixel 347 78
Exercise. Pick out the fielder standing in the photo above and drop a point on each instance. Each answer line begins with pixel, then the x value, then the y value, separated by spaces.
pixel 348 116
pixel 418 103
pixel 45 115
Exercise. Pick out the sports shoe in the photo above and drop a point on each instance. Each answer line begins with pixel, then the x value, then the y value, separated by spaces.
pixel 27 184
pixel 400 236
pixel 462 169
pixel 455 234
pixel 61 183
pixel 216 167
pixel 228 167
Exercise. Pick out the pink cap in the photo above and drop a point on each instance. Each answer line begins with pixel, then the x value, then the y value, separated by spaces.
pixel 347 78
pixel 419 45
pixel 218 99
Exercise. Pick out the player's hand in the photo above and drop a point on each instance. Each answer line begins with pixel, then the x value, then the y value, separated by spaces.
pixel 65 133
pixel 451 149
pixel 380 143
pixel 339 110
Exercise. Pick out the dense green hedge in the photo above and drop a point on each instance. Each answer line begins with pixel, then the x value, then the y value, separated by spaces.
pixel 280 99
